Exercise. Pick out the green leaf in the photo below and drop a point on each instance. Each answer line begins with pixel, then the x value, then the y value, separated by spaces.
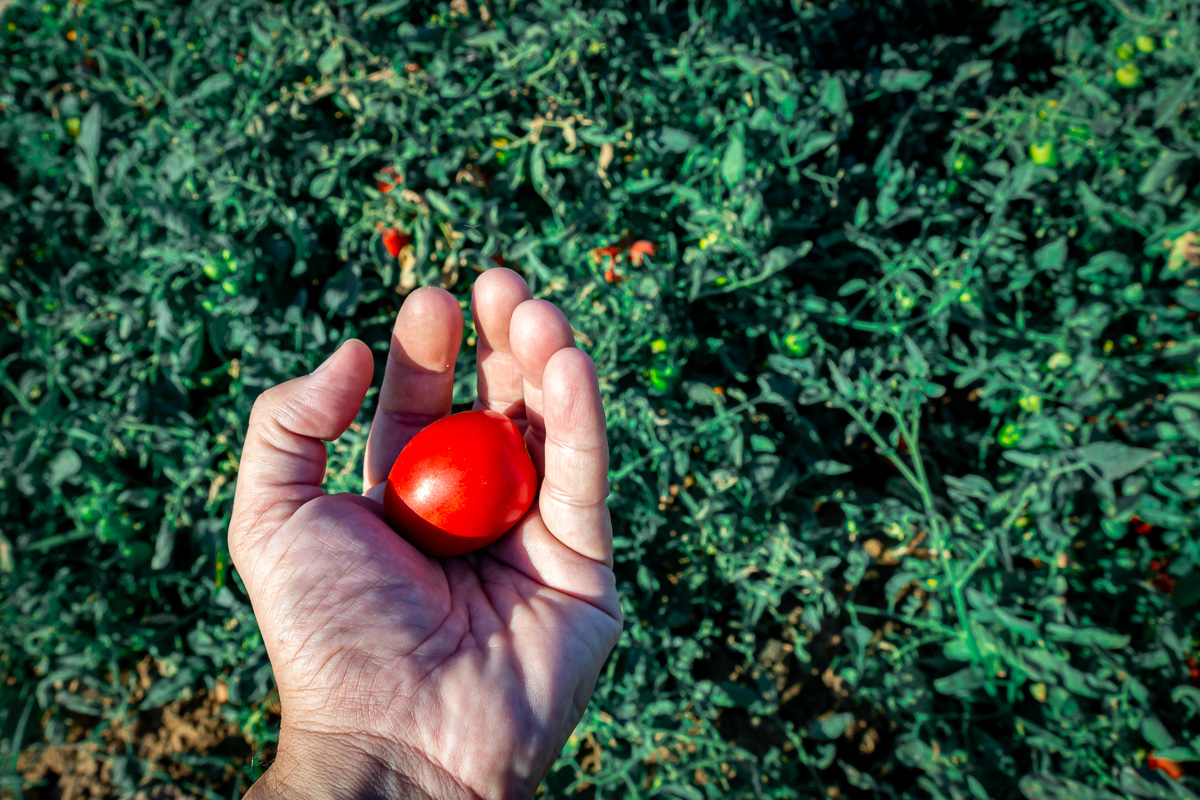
pixel 833 96
pixel 1096 637
pixel 213 84
pixel 1017 625
pixel 89 132
pixel 486 39
pixel 963 683
pixel 340 294
pixel 1115 460
pixel 322 184
pixel 1052 256
pixel 904 80
pixel 733 164
pixel 331 59
pixel 815 143
pixel 703 394
pixel 63 466
pixel 1188 696
pixel 840 381
pixel 732 695
pixel 1156 734
pixel 833 726
pixel 671 140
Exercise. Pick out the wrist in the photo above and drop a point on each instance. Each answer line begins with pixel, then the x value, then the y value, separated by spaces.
pixel 324 766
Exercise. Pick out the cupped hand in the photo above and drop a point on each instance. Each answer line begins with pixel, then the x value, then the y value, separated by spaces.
pixel 402 675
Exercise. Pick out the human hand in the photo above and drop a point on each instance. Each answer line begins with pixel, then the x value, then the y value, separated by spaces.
pixel 402 675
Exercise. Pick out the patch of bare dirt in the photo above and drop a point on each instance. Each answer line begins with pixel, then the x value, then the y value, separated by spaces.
pixel 82 768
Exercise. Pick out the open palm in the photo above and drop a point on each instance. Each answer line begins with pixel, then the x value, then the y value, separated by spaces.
pixel 401 674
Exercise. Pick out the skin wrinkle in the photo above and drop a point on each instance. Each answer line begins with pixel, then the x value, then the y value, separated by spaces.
pixel 246 531
pixel 566 498
pixel 409 421
pixel 486 383
pixel 504 644
pixel 539 577
pixel 440 771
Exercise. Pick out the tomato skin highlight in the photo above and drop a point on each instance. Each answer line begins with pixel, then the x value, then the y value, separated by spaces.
pixel 460 484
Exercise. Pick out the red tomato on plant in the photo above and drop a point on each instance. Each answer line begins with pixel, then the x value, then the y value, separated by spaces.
pixel 1173 769
pixel 394 241
pixel 460 484
pixel 639 249
pixel 386 179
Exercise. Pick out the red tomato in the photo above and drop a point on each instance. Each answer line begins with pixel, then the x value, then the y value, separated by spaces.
pixel 385 179
pixel 394 241
pixel 1173 769
pixel 640 249
pixel 460 484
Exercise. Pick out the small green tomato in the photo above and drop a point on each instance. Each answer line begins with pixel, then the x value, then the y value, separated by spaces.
pixel 137 553
pixel 1030 402
pixel 663 375
pixel 1125 51
pixel 963 164
pixel 1146 44
pixel 1009 435
pixel 1058 361
pixel 110 532
pixel 91 512
pixel 1044 153
pixel 797 344
pixel 1129 76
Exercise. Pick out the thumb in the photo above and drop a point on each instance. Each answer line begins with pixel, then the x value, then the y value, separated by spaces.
pixel 283 459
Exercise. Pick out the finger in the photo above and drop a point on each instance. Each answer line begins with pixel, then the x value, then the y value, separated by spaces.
pixel 494 298
pixel 538 331
pixel 418 383
pixel 283 460
pixel 574 491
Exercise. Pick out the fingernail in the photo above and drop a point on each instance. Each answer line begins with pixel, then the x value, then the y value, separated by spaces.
pixel 325 363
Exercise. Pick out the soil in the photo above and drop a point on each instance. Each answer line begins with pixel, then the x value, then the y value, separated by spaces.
pixel 82 768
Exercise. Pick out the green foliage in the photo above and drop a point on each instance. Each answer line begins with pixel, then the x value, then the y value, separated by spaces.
pixel 904 409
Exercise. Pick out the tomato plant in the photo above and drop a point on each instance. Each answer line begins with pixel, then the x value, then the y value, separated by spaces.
pixel 460 484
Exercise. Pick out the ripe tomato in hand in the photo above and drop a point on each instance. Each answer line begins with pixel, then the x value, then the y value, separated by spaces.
pixel 460 484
